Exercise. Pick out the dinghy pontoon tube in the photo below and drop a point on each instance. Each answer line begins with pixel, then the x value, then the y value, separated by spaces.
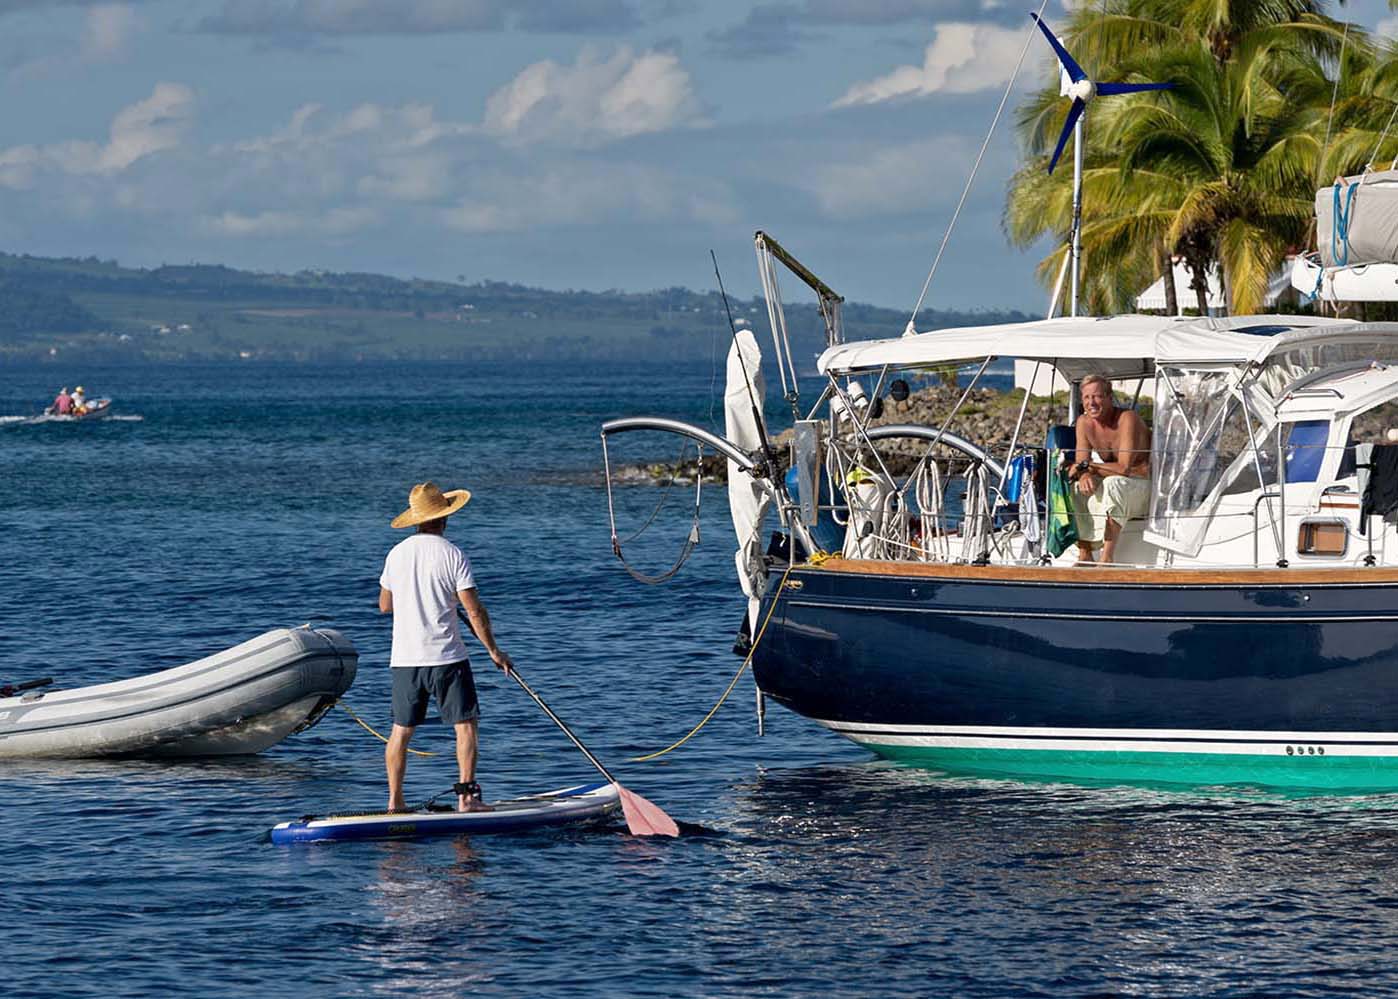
pixel 241 700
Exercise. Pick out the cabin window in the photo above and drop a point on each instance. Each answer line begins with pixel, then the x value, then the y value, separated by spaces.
pixel 1376 424
pixel 1305 450
pixel 1322 538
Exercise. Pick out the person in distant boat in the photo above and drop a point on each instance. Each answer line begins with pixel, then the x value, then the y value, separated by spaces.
pixel 424 577
pixel 79 401
pixel 1111 470
pixel 62 403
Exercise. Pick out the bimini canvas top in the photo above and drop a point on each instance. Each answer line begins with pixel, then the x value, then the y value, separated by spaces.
pixel 1261 337
pixel 1115 346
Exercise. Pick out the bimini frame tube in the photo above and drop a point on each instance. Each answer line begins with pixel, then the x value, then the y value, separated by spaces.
pixel 733 453
pixel 759 471
pixel 914 431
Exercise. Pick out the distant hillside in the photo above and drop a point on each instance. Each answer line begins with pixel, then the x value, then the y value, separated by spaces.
pixel 93 310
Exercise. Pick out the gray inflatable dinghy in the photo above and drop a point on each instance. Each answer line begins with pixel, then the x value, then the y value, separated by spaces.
pixel 241 700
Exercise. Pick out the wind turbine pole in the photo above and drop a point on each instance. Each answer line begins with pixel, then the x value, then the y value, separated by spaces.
pixel 1074 83
pixel 1076 250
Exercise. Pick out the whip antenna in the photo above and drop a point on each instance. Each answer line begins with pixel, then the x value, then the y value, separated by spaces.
pixel 767 454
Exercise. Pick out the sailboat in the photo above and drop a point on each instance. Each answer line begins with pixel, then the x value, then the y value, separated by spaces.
pixel 1247 631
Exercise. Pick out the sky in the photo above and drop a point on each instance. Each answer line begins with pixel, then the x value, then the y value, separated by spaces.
pixel 594 144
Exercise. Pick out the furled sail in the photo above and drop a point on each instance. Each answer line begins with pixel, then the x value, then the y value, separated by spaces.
pixel 747 500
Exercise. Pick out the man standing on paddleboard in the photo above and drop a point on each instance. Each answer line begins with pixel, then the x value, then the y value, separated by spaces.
pixel 423 578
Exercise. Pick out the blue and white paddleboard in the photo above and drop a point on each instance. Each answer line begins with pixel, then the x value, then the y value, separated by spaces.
pixel 563 807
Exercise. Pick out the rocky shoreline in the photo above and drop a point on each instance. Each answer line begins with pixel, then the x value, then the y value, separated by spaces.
pixel 987 418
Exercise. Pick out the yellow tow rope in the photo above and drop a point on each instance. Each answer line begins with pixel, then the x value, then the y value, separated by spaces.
pixel 736 676
pixel 816 559
pixel 370 729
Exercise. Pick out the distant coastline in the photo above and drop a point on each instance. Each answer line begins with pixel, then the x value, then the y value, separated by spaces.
pixel 69 310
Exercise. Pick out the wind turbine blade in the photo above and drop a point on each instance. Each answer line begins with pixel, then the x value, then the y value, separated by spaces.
pixel 1074 113
pixel 1130 88
pixel 1075 71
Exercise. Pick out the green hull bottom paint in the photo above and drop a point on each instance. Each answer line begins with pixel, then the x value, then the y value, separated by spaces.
pixel 1352 774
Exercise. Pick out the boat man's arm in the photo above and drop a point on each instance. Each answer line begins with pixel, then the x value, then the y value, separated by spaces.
pixel 479 621
pixel 1131 448
pixel 1080 474
pixel 385 601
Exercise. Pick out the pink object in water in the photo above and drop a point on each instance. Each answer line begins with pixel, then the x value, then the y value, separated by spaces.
pixel 645 818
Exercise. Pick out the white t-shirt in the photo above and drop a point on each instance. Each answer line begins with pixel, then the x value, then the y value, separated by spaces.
pixel 424 573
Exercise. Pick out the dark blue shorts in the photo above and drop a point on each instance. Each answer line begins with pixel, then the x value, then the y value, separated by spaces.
pixel 452 687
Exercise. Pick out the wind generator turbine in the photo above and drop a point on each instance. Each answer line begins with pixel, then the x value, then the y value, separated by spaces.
pixel 1082 89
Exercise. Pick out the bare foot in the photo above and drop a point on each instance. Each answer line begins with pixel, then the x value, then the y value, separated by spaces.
pixel 471 804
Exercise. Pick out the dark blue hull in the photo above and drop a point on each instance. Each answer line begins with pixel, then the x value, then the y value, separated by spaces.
pixel 1089 661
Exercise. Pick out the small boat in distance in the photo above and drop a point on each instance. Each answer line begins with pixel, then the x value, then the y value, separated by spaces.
pixel 98 409
pixel 238 701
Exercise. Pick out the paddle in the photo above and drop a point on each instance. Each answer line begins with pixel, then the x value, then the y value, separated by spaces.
pixel 643 818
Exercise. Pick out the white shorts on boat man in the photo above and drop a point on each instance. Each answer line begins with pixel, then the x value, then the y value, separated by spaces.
pixel 1118 497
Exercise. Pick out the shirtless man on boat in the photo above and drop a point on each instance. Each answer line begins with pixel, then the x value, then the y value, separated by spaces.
pixel 1111 473
pixel 423 578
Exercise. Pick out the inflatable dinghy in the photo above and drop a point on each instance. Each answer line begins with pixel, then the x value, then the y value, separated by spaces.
pixel 586 803
pixel 98 409
pixel 241 700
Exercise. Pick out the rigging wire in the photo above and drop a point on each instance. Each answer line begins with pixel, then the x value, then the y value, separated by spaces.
pixel 690 542
pixel 742 363
pixel 1009 87
pixel 665 496
pixel 1383 135
pixel 1335 92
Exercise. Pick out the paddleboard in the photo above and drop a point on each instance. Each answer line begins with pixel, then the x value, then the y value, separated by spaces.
pixel 563 807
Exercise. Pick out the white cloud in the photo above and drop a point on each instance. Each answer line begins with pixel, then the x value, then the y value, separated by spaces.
pixel 330 175
pixel 374 126
pixel 415 177
pixel 584 192
pixel 595 100
pixel 416 17
pixel 107 30
pixel 1387 28
pixel 150 126
pixel 962 59
pixel 891 181
pixel 332 222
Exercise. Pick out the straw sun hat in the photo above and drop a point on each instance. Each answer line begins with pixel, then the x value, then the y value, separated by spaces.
pixel 428 502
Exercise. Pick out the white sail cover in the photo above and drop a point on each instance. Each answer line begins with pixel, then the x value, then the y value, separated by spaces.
pixel 747 501
pixel 1357 220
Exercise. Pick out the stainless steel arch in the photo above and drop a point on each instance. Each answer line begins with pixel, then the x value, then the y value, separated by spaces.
pixel 723 446
pixel 929 434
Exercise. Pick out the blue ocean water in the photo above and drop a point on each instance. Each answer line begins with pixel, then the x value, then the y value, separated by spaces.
pixel 252 497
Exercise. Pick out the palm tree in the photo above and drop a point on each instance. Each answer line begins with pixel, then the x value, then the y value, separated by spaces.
pixel 1222 168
